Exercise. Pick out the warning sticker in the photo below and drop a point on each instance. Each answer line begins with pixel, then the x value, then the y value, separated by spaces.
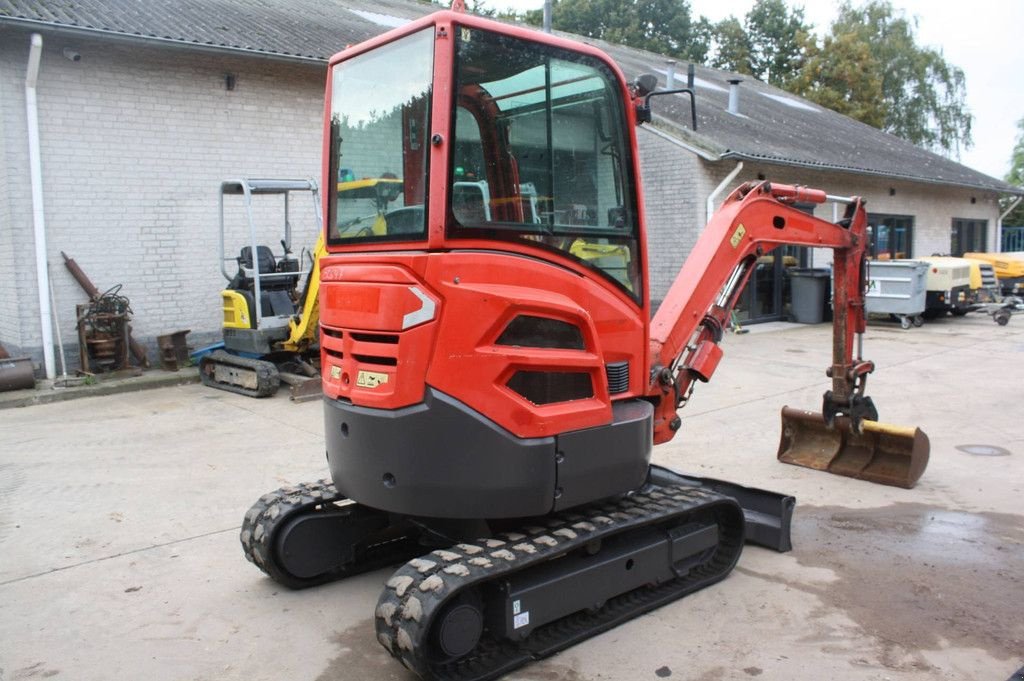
pixel 521 620
pixel 371 379
pixel 738 235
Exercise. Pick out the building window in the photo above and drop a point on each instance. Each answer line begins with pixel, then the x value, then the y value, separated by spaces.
pixel 892 236
pixel 967 236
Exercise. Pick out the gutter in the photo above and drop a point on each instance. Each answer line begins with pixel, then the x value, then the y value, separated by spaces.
pixel 38 219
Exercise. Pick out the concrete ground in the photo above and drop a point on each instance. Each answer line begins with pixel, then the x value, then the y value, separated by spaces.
pixel 119 515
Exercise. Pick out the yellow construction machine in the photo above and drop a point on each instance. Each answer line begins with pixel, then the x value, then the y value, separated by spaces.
pixel 270 324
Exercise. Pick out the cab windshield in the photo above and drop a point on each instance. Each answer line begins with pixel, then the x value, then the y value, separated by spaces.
pixel 380 106
pixel 539 153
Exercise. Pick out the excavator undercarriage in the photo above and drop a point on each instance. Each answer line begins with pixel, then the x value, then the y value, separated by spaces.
pixel 477 607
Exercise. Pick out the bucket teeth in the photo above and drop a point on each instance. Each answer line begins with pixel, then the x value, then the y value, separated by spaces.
pixel 881 453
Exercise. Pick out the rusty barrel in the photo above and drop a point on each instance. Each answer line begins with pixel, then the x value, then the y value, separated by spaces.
pixel 16 374
pixel 880 452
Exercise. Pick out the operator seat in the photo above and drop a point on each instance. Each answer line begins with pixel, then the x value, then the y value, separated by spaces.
pixel 275 292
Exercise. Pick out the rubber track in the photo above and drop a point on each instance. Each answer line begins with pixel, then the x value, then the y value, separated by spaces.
pixel 267 378
pixel 275 509
pixel 419 590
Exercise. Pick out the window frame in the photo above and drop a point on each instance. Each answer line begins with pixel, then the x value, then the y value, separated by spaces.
pixel 957 227
pixel 889 221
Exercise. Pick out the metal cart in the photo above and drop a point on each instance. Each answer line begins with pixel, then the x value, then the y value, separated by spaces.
pixel 898 288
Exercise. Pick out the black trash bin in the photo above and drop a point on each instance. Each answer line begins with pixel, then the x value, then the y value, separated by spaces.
pixel 809 287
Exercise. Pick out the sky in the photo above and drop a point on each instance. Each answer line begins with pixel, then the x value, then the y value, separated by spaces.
pixel 979 36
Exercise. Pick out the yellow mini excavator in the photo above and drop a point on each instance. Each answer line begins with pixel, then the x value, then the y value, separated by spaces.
pixel 270 324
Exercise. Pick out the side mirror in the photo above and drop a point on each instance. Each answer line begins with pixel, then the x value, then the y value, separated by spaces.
pixel 644 86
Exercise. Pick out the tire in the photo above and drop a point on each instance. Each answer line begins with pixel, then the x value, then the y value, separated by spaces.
pixel 1002 318
pixel 917 321
pixel 905 322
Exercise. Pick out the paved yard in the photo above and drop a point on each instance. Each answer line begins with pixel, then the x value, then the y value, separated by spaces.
pixel 119 515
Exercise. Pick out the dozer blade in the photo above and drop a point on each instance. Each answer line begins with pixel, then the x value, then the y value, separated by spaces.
pixel 882 453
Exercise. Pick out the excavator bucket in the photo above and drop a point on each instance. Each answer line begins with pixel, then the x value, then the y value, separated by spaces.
pixel 882 453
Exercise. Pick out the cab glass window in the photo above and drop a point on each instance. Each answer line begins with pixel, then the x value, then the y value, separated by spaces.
pixel 380 106
pixel 540 154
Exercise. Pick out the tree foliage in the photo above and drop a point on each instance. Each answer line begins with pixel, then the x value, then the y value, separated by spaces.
pixel 732 48
pixel 844 75
pixel 869 65
pixel 661 26
pixel 768 45
pixel 922 95
pixel 1016 177
pixel 777 39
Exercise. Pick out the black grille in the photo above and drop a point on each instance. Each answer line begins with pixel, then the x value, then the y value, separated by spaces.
pixel 388 338
pixel 618 377
pixel 540 332
pixel 547 387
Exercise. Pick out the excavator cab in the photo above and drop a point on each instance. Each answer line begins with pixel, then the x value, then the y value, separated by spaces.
pixel 531 150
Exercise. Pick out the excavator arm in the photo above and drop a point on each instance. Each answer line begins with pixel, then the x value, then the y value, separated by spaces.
pixel 688 328
pixel 754 220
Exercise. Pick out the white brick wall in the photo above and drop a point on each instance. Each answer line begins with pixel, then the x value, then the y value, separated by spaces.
pixel 933 207
pixel 671 180
pixel 10 328
pixel 135 142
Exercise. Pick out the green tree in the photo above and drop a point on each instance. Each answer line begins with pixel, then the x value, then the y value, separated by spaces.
pixel 1016 178
pixel 922 96
pixel 776 37
pixel 843 74
pixel 732 48
pixel 661 26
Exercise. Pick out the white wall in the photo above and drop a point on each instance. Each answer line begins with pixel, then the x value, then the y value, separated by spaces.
pixel 135 142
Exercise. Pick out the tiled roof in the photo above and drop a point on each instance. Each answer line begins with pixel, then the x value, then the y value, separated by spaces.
pixel 772 126
pixel 776 127
pixel 303 29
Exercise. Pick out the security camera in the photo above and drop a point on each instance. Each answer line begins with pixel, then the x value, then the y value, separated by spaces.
pixel 71 55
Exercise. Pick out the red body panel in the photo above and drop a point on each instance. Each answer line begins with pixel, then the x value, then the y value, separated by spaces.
pixel 477 294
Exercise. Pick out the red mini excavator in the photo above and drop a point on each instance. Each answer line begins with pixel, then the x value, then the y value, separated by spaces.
pixel 493 381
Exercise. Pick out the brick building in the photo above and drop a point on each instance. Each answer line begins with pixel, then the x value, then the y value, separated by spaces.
pixel 144 109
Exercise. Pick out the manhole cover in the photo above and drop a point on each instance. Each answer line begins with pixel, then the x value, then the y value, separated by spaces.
pixel 983 450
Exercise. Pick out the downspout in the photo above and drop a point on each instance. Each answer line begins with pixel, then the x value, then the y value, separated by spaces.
pixel 38 222
pixel 999 223
pixel 719 189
